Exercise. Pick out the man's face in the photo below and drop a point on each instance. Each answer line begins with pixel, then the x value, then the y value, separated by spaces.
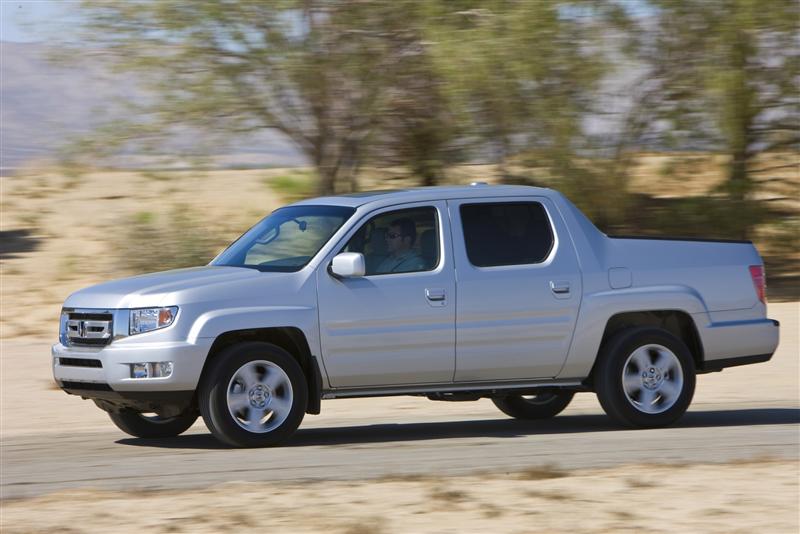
pixel 395 242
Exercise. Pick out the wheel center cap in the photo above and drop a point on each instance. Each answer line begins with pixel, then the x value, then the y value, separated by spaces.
pixel 652 378
pixel 259 395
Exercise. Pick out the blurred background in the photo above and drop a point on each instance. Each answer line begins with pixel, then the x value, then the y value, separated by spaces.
pixel 144 135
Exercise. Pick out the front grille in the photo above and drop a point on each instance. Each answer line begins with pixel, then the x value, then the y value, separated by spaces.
pixel 80 362
pixel 85 386
pixel 91 316
pixel 87 342
pixel 89 329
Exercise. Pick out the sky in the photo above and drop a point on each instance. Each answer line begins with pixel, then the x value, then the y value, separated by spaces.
pixel 25 21
pixel 40 21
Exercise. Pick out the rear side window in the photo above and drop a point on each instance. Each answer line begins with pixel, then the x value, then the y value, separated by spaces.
pixel 507 233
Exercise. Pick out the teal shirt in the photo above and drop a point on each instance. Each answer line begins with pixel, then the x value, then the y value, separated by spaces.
pixel 408 261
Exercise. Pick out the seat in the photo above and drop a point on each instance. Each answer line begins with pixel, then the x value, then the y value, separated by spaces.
pixel 427 245
pixel 375 250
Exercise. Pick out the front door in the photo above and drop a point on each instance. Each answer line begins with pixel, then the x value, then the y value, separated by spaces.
pixel 519 289
pixel 396 324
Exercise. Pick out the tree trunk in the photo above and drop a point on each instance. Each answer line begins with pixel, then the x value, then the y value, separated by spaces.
pixel 327 180
pixel 327 168
pixel 427 171
pixel 740 115
pixel 503 150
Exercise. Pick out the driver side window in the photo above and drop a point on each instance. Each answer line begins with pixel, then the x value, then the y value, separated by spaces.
pixel 400 241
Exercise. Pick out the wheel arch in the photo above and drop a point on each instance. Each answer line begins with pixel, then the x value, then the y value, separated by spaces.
pixel 635 305
pixel 289 338
pixel 679 323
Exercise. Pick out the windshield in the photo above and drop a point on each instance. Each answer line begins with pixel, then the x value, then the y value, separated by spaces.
pixel 286 240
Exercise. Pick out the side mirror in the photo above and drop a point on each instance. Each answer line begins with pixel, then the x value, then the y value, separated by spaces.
pixel 349 265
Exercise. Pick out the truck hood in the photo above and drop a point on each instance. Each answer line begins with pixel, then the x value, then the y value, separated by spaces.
pixel 152 289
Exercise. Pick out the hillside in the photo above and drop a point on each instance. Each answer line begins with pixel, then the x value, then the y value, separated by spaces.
pixel 43 106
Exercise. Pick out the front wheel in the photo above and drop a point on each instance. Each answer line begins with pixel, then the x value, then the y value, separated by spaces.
pixel 152 426
pixel 645 377
pixel 540 406
pixel 253 395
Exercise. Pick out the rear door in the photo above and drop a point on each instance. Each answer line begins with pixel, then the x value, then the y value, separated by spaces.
pixel 518 288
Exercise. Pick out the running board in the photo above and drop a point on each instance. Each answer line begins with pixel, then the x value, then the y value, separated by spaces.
pixel 484 388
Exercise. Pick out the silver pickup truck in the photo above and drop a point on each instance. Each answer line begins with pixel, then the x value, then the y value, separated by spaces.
pixel 454 293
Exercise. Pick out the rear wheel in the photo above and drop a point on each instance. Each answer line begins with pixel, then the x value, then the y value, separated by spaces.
pixel 152 426
pixel 253 395
pixel 540 406
pixel 645 377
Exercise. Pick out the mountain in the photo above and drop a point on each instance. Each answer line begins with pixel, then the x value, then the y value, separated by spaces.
pixel 44 105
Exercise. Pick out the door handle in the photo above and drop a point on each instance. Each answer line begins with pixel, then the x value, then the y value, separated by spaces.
pixel 559 287
pixel 435 294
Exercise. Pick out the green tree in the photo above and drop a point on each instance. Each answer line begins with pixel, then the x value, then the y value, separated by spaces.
pixel 525 71
pixel 416 127
pixel 523 76
pixel 408 82
pixel 724 74
pixel 309 69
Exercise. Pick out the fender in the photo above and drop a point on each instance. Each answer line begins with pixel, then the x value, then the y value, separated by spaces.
pixel 597 308
pixel 214 323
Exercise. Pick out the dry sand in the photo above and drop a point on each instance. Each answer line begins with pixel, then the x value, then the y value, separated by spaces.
pixel 71 226
pixel 758 496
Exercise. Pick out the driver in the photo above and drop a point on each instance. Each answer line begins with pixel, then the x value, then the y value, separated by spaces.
pixel 400 240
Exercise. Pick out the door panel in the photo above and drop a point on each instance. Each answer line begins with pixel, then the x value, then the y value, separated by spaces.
pixel 513 321
pixel 394 328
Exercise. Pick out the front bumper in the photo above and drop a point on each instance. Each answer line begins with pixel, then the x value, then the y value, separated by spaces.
pixel 79 365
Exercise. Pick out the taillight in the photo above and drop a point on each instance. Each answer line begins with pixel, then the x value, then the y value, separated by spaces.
pixel 759 281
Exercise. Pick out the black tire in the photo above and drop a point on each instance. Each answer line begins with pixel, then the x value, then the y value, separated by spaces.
pixel 143 426
pixel 218 378
pixel 541 406
pixel 631 409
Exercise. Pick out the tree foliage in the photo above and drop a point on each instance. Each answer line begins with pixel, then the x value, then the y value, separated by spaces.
pixel 310 70
pixel 408 82
pixel 424 83
pixel 723 75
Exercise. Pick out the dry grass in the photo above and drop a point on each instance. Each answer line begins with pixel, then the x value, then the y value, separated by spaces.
pixel 448 495
pixel 640 483
pixel 366 526
pixel 491 511
pixel 548 496
pixel 410 477
pixel 543 472
pixel 67 216
pixel 738 496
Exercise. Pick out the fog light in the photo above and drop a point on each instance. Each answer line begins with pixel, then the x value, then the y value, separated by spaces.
pixel 151 370
pixel 161 369
pixel 140 370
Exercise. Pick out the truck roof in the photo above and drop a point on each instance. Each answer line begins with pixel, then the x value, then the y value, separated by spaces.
pixel 422 194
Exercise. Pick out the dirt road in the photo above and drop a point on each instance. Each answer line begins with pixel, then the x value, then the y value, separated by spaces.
pixel 739 498
pixel 53 442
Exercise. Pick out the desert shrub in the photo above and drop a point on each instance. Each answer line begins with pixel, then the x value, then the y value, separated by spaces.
pixel 783 236
pixel 697 216
pixel 293 185
pixel 157 242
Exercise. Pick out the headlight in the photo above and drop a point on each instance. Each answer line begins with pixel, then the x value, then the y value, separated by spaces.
pixel 147 319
